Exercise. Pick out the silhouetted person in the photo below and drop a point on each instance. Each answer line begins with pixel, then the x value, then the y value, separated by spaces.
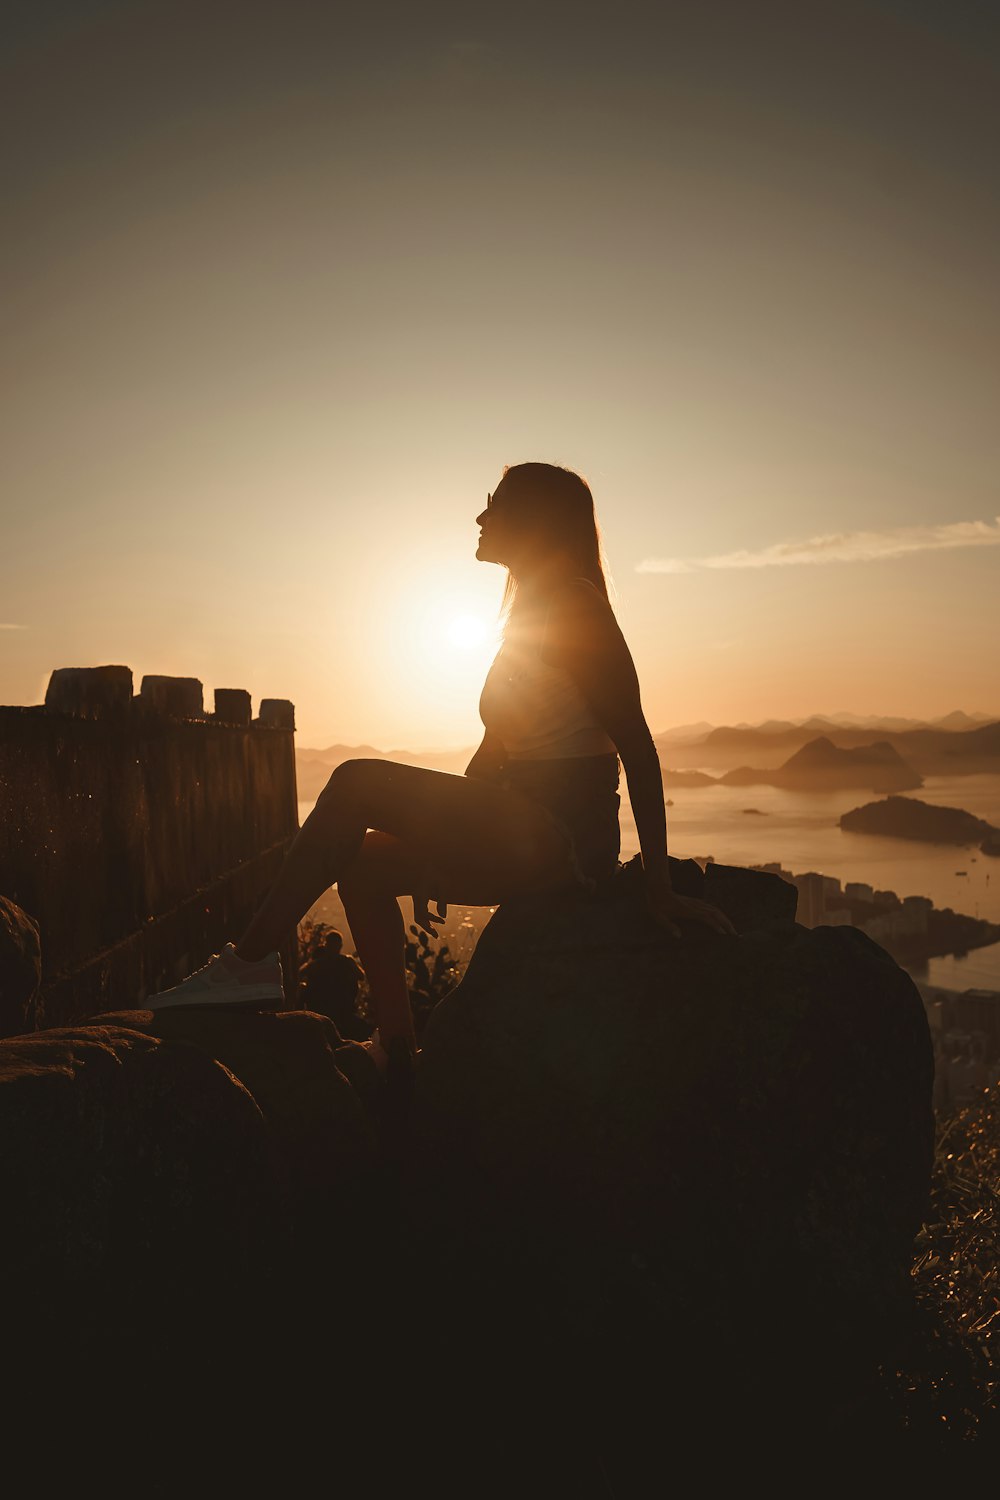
pixel 331 984
pixel 537 808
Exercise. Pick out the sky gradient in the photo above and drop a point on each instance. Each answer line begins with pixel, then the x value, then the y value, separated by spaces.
pixel 284 289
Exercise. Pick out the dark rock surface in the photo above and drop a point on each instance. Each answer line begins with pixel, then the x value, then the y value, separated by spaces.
pixel 290 1062
pixel 266 1087
pixel 20 966
pixel 132 1170
pixel 178 1260
pixel 697 1165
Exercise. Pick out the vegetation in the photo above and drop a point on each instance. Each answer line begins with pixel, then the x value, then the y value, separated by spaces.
pixel 431 975
pixel 431 972
pixel 313 937
pixel 947 1384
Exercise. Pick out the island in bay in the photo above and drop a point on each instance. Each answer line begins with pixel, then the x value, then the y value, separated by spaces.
pixel 908 818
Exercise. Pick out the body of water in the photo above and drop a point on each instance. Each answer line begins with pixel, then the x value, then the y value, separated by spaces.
pixel 799 830
pixel 978 970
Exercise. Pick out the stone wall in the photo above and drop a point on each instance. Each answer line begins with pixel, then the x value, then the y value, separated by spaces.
pixel 139 831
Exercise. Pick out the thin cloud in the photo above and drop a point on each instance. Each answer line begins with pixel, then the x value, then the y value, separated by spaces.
pixel 12 627
pixel 665 565
pixel 841 547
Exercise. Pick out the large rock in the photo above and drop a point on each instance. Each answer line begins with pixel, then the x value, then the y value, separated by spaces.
pixel 142 1193
pixel 705 1158
pixel 292 1063
pixel 159 1274
pixel 20 967
pixel 199 1232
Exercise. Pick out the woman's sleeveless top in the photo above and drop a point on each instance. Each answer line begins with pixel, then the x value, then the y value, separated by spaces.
pixel 536 710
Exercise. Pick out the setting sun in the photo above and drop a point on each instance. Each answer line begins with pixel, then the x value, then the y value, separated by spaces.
pixel 466 632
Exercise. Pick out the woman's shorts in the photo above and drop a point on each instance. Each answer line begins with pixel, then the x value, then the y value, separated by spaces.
pixel 581 794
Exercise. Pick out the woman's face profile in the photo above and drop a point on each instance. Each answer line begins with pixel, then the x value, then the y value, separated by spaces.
pixel 494 522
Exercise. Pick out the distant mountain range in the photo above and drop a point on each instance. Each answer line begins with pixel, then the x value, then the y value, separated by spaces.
pixel 951 746
pixel 758 754
pixel 819 766
pixel 824 724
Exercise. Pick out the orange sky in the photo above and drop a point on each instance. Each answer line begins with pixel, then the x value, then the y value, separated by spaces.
pixel 283 293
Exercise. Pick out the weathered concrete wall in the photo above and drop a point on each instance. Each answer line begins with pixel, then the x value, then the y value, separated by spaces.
pixel 139 840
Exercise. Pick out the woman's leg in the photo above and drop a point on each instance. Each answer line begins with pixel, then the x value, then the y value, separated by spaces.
pixel 478 843
pixel 323 848
pixel 369 889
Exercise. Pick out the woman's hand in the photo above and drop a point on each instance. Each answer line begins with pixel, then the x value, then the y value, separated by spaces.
pixel 669 909
pixel 422 916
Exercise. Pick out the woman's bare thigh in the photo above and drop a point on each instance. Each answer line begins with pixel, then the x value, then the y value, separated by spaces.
pixel 388 866
pixel 453 837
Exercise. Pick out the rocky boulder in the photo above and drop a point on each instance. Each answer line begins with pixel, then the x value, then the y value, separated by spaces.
pixel 142 1194
pixel 697 1165
pixel 317 1094
pixel 189 1243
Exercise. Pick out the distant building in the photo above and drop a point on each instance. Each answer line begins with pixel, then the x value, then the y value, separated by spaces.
pixel 835 916
pixel 965 1031
pixel 904 921
pixel 812 898
pixel 980 1011
pixel 858 890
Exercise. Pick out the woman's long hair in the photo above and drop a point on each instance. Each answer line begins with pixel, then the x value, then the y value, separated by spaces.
pixel 556 509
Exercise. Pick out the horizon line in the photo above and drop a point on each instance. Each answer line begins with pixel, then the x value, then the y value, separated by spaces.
pixel 877 719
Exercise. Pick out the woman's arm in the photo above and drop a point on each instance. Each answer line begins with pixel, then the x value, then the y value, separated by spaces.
pixel 584 638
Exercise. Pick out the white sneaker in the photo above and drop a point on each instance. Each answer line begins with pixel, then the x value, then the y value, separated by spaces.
pixel 227 980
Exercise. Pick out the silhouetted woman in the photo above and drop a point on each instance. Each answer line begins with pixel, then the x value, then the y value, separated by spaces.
pixel 537 808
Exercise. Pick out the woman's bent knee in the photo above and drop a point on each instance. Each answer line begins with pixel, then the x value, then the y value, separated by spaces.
pixel 350 781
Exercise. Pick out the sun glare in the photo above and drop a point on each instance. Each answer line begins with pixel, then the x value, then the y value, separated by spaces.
pixel 467 632
pixel 431 643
